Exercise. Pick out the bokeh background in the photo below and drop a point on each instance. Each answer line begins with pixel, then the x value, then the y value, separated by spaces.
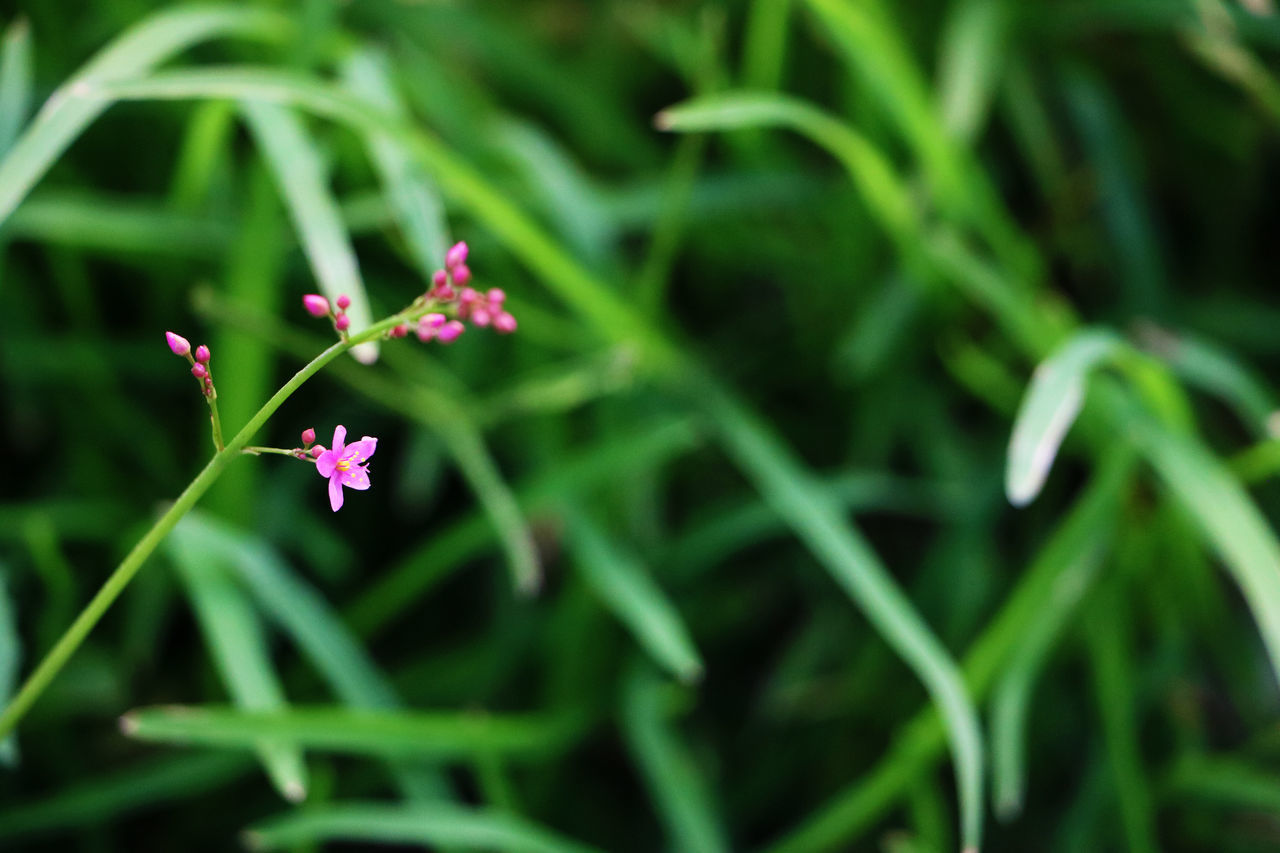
pixel 771 353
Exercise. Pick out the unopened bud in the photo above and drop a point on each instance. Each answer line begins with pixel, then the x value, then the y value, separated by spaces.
pixel 342 323
pixel 308 437
pixel 344 302
pixel 316 305
pixel 456 257
pixel 316 451
pixel 177 343
pixel 461 275
pixel 202 354
pixel 450 331
pixel 504 323
pixel 199 371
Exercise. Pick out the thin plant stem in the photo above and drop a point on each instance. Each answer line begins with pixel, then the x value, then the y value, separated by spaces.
pixel 52 664
pixel 218 443
pixel 279 451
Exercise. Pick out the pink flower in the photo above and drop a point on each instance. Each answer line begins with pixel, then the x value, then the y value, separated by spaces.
pixel 316 305
pixel 177 343
pixel 343 465
pixel 456 256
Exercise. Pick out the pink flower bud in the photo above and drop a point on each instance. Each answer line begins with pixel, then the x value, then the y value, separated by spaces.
pixel 199 371
pixel 450 331
pixel 461 275
pixel 316 305
pixel 344 302
pixel 308 437
pixel 504 323
pixel 202 354
pixel 342 323
pixel 456 257
pixel 435 321
pixel 480 317
pixel 496 296
pixel 399 331
pixel 467 296
pixel 440 278
pixel 317 451
pixel 177 343
pixel 425 332
pixel 444 294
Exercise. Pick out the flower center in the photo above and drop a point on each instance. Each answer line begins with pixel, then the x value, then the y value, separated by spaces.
pixel 344 465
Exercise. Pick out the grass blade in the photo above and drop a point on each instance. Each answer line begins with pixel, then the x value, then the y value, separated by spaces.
pixel 672 779
pixel 300 174
pixel 970 64
pixel 10 663
pixel 15 81
pixel 75 105
pixel 437 826
pixel 1228 519
pixel 1011 697
pixel 413 198
pixel 855 567
pixel 122 792
pixel 1049 408
pixel 235 638
pixel 387 734
pixel 630 592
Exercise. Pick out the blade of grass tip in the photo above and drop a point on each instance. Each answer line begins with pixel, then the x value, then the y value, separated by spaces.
pixel 10 661
pixel 1049 408
pixel 635 599
pixel 235 638
pixel 297 167
pixel 855 567
pixel 857 807
pixel 15 81
pixel 970 63
pixel 314 627
pixel 1227 517
pixel 205 146
pixel 1012 694
pixel 75 105
pixel 387 734
pixel 435 826
pixel 104 799
pixel 673 781
pixel 414 200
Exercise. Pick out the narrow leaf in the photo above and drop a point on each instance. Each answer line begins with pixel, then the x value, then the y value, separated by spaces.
pixel 437 826
pixel 234 637
pixel 635 599
pixel 298 169
pixel 10 662
pixel 1049 408
pixel 15 81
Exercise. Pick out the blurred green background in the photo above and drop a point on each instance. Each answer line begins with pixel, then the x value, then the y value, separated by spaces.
pixel 751 440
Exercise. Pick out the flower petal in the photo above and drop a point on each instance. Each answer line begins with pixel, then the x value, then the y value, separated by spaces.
pixel 360 451
pixel 326 462
pixel 356 478
pixel 339 436
pixel 335 493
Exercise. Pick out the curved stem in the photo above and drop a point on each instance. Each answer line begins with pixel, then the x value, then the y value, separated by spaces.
pixel 216 421
pixel 71 639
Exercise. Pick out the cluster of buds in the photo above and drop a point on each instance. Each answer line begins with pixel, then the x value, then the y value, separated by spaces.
pixel 309 448
pixel 318 306
pixel 438 314
pixel 199 360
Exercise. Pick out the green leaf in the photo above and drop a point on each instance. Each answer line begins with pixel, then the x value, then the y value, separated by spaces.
pixel 415 203
pixel 78 102
pixel 299 171
pixel 670 775
pixel 437 826
pixel 389 734
pixel 633 596
pixel 15 81
pixel 1049 408
pixel 1228 519
pixel 10 663
pixel 99 800
pixel 970 63
pixel 851 562
pixel 234 637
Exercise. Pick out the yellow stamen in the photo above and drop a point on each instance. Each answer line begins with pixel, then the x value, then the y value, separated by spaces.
pixel 343 465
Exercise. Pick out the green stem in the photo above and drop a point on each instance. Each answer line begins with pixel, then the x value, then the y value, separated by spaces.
pixel 218 443
pixel 67 644
pixel 279 451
